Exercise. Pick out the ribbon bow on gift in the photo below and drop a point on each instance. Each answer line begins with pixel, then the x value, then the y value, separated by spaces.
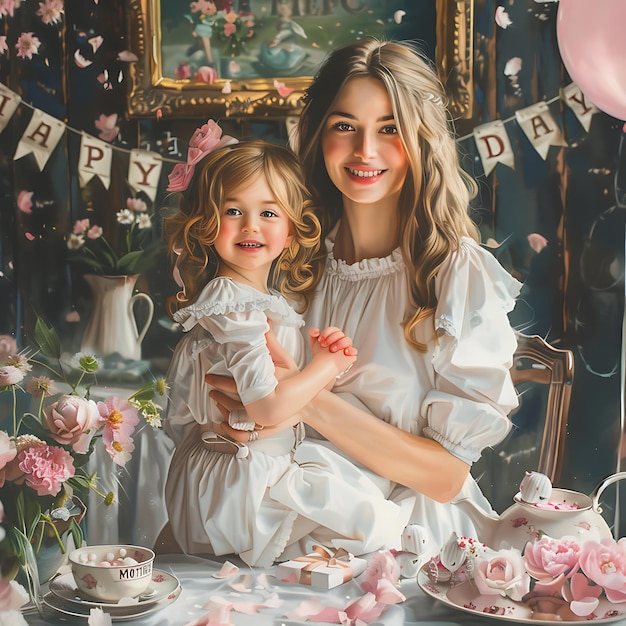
pixel 323 558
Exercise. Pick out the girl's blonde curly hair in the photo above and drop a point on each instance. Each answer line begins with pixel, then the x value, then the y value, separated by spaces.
pixel 191 232
pixel 434 203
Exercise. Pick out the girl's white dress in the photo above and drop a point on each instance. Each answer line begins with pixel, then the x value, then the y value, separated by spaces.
pixel 285 489
pixel 459 391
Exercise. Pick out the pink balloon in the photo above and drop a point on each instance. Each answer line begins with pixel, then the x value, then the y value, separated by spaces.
pixel 592 41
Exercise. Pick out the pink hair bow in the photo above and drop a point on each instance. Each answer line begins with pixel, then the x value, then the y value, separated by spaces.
pixel 204 140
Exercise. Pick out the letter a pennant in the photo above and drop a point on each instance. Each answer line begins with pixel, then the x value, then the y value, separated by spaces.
pixel 40 137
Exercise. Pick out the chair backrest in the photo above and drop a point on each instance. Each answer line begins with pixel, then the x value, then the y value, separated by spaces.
pixel 542 375
pixel 536 361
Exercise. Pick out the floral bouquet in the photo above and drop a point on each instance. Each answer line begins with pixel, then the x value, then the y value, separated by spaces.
pixel 89 247
pixel 560 579
pixel 44 453
pixel 234 30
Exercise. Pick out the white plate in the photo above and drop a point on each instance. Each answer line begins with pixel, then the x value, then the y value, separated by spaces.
pixel 162 584
pixel 54 605
pixel 466 597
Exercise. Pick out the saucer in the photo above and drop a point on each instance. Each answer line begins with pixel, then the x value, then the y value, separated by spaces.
pixel 161 586
pixel 466 597
pixel 57 607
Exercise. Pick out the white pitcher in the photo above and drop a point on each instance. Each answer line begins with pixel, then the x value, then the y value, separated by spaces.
pixel 112 326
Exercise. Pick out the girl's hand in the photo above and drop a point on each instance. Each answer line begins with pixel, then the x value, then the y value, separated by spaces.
pixel 332 338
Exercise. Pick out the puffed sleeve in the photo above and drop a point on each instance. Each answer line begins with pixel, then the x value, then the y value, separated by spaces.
pixel 241 335
pixel 473 392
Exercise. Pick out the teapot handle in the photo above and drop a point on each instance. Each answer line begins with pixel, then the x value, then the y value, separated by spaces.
pixel 597 492
pixel 148 300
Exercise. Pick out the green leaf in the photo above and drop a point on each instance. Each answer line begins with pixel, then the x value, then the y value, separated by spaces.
pixel 47 339
pixel 77 533
pixel 129 263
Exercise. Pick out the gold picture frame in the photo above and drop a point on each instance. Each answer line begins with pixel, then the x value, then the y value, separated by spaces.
pixel 269 83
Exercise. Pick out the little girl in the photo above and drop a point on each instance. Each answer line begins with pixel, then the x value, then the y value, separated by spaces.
pixel 245 217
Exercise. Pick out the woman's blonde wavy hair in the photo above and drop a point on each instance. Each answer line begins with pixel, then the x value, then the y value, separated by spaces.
pixel 191 232
pixel 434 202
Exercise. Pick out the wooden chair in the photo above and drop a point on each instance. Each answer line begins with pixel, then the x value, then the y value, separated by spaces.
pixel 543 376
pixel 536 361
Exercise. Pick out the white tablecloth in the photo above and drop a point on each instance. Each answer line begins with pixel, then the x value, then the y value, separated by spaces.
pixel 199 586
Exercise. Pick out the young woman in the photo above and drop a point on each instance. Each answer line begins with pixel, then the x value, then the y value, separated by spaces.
pixel 244 239
pixel 407 280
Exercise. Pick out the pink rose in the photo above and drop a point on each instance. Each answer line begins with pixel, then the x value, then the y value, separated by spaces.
pixel 180 177
pixel 229 29
pixel 382 566
pixel 8 346
pixel 72 421
pixel 548 558
pixel 502 574
pixel 604 563
pixel 46 468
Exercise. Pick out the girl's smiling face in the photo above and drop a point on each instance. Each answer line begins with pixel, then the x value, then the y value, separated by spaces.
pixel 363 152
pixel 254 230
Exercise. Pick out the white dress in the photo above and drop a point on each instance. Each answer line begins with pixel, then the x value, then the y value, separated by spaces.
pixel 459 391
pixel 257 506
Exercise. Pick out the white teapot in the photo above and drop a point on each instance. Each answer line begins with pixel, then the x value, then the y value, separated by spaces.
pixel 568 513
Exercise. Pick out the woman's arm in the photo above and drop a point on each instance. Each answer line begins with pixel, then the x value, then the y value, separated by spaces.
pixel 416 462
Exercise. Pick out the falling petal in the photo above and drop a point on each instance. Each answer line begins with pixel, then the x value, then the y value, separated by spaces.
pixel 537 242
pixel 380 22
pixel 25 201
pixel 227 87
pixel 159 114
pixel 283 91
pixel 127 56
pixel 120 77
pixel 398 15
pixel 72 317
pixel 513 66
pixel 492 243
pixel 314 45
pixel 502 18
pixel 95 42
pixel 29 236
pixel 103 77
pixel 80 60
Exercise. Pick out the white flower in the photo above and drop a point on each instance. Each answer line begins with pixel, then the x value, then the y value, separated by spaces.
pixel 97 617
pixel 74 242
pixel 144 221
pixel 125 216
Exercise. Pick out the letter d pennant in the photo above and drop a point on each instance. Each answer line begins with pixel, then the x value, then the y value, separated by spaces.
pixel 493 145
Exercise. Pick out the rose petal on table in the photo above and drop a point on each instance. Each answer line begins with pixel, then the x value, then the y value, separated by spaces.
pixel 227 570
pixel 97 617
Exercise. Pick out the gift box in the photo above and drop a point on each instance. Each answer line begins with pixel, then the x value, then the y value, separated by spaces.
pixel 321 568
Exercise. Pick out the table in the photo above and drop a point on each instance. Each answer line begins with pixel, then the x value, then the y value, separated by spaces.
pixel 199 585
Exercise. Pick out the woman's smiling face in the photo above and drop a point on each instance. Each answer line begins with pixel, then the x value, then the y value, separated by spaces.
pixel 363 153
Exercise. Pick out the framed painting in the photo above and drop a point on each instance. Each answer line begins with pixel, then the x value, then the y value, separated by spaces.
pixel 256 57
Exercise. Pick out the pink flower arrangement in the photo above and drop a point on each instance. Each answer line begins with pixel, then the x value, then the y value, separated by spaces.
pixel 89 247
pixel 568 574
pixel 43 458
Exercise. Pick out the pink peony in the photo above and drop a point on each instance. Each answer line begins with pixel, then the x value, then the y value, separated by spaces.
pixel 8 346
pixel 604 563
pixel 180 177
pixel 382 566
pixel 548 558
pixel 46 468
pixel 72 421
pixel 502 574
